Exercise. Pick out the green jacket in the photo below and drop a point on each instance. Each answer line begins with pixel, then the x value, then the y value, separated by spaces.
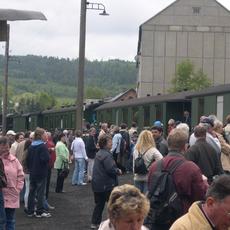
pixel 62 155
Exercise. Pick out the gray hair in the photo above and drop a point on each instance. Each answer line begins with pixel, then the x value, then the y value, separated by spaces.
pixel 220 188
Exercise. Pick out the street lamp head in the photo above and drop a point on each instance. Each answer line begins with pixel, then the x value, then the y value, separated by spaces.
pixel 104 13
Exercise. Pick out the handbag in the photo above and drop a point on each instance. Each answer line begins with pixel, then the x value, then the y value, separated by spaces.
pixel 64 169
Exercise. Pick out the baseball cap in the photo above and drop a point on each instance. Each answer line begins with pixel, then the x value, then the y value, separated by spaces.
pixel 157 124
pixel 207 120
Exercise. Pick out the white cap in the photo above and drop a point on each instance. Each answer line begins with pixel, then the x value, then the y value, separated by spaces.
pixel 65 131
pixel 10 132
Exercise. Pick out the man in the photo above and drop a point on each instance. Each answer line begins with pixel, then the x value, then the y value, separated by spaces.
pixel 133 129
pixel 187 177
pixel 161 143
pixel 79 154
pixel 38 164
pixel 204 155
pixel 10 134
pixel 186 118
pixel 214 213
pixel 211 138
pixel 125 150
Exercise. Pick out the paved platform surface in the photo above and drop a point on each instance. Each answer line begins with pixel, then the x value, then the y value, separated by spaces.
pixel 73 209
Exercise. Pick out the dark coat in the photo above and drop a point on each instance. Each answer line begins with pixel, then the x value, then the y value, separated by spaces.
pixel 187 178
pixel 162 145
pixel 3 180
pixel 38 161
pixel 91 147
pixel 126 137
pixel 205 156
pixel 105 172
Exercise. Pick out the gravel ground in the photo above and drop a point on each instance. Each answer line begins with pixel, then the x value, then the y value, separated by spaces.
pixel 73 208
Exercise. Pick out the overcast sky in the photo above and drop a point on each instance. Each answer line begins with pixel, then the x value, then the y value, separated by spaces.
pixel 109 37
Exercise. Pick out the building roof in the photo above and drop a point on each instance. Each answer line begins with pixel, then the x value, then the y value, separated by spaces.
pixel 220 89
pixel 14 15
pixel 120 95
pixel 146 100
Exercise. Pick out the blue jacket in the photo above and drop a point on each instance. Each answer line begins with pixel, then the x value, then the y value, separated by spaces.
pixel 38 160
pixel 104 172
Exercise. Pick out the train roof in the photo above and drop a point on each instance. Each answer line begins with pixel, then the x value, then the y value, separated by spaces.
pixel 220 89
pixel 146 100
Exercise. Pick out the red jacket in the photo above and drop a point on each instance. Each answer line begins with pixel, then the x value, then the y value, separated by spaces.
pixel 50 145
pixel 187 178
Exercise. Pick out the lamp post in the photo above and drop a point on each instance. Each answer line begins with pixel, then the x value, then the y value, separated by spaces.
pixel 81 65
pixel 5 90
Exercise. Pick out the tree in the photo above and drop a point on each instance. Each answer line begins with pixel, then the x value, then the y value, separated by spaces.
pixel 187 79
pixel 29 102
pixel 94 93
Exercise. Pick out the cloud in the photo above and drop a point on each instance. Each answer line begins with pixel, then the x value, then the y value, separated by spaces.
pixel 114 36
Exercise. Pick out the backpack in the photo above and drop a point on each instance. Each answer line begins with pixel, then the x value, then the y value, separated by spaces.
pixel 165 204
pixel 139 164
pixel 122 145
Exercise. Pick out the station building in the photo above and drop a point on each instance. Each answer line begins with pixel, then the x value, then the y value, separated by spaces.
pixel 198 30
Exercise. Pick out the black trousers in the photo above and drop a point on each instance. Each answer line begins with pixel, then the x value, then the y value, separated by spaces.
pixel 100 198
pixel 60 182
pixel 48 183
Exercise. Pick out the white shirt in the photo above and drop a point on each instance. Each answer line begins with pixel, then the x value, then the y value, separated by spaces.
pixel 78 148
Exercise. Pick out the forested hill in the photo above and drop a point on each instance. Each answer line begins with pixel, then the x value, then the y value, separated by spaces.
pixel 58 76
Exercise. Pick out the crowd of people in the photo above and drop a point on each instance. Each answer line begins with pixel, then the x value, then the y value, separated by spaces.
pixel 181 175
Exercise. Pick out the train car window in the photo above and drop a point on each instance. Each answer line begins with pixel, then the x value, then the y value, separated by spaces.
pixel 200 108
pixel 159 114
pixel 146 116
pixel 125 115
pixel 220 107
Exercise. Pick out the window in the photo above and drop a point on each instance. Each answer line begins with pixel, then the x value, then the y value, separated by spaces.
pixel 196 10
pixel 220 107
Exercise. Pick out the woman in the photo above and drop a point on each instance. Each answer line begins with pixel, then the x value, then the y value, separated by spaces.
pixel 104 178
pixel 26 171
pixel 127 208
pixel 146 148
pixel 15 181
pixel 62 158
pixel 225 147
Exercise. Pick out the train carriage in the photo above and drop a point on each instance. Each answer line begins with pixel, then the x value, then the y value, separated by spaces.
pixel 145 110
pixel 213 100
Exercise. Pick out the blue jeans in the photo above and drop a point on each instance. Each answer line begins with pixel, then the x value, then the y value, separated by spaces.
pixel 78 174
pixel 2 212
pixel 141 185
pixel 10 218
pixel 37 187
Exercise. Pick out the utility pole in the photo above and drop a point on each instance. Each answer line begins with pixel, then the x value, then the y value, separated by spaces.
pixel 81 68
pixel 5 90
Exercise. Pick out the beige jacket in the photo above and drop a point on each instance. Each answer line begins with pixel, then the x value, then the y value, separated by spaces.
pixel 225 153
pixel 193 220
